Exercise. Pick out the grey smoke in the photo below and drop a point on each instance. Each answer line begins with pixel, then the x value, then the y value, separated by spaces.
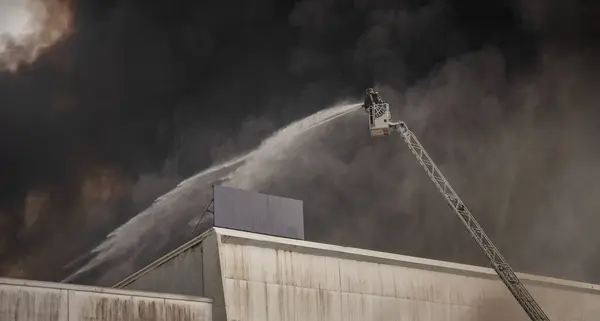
pixel 256 61
pixel 30 27
pixel 164 222
pixel 522 158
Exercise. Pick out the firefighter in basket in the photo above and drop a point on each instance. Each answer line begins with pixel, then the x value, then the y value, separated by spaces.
pixel 371 98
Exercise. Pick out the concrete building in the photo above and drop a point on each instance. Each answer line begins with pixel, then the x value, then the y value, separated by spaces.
pixel 254 277
pixel 42 301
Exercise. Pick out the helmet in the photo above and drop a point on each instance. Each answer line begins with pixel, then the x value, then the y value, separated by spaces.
pixel 370 90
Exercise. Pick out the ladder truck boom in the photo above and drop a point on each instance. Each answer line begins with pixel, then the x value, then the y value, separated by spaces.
pixel 381 124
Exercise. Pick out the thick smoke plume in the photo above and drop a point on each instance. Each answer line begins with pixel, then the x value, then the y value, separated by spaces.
pixel 513 147
pixel 29 27
pixel 144 94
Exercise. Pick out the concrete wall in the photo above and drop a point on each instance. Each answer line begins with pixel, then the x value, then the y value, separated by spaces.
pixel 41 301
pixel 192 269
pixel 275 281
pixel 186 266
pixel 270 278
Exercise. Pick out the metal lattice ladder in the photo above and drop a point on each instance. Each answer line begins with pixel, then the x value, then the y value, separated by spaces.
pixel 500 265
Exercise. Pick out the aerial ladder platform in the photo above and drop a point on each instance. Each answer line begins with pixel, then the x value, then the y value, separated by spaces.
pixel 381 124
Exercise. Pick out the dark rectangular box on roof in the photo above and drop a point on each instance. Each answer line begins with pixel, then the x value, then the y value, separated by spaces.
pixel 259 213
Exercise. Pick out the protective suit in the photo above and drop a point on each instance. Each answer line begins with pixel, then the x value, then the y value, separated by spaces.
pixel 371 98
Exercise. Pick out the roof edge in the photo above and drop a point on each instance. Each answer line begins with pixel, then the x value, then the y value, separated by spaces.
pixel 95 289
pixel 164 259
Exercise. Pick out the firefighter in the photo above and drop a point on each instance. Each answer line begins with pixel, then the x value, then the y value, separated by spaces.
pixel 371 98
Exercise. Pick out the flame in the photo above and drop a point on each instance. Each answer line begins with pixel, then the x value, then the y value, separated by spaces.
pixel 29 27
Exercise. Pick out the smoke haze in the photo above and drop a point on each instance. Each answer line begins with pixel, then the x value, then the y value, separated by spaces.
pixel 28 27
pixel 144 94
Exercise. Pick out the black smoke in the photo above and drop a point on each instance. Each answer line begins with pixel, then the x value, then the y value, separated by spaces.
pixel 145 93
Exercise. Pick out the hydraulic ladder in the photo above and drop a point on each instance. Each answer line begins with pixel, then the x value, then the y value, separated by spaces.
pixel 499 264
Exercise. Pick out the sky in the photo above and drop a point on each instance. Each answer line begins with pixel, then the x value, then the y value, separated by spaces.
pixel 105 105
